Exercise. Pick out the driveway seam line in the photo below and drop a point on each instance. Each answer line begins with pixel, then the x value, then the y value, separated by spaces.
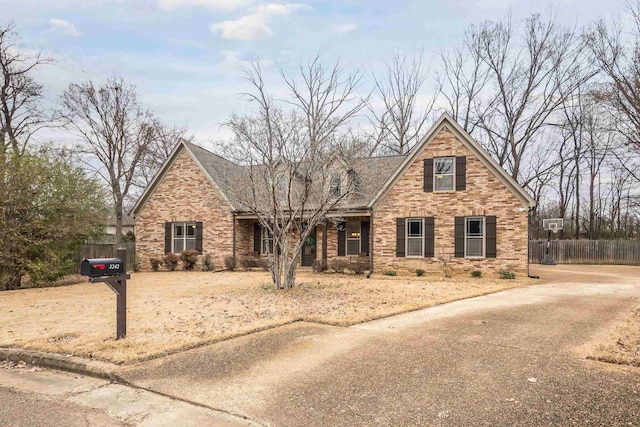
pixel 124 382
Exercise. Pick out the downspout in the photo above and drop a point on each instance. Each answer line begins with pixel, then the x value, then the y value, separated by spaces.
pixel 529 245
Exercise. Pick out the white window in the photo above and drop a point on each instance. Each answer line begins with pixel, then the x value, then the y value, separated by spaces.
pixel 443 174
pixel 415 237
pixel 266 246
pixel 474 237
pixel 353 237
pixel 335 185
pixel 184 236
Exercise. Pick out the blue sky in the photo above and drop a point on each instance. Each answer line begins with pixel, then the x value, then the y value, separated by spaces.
pixel 184 55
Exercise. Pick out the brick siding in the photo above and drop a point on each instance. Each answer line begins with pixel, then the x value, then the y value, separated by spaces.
pixel 485 195
pixel 185 194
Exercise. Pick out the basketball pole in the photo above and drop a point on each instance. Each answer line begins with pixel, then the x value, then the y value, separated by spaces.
pixel 548 259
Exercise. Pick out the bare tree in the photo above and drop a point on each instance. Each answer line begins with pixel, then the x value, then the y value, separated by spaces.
pixel 115 133
pixel 618 56
pixel 292 151
pixel 400 121
pixel 530 79
pixel 21 112
pixel 462 80
pixel 599 141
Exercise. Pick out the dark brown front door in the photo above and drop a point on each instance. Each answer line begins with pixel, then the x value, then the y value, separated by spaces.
pixel 309 250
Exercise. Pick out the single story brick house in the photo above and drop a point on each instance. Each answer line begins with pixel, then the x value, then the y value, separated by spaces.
pixel 446 198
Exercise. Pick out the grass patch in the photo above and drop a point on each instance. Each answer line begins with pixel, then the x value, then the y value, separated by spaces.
pixel 623 346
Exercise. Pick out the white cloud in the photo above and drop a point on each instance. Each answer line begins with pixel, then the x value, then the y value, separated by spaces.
pixel 345 28
pixel 210 4
pixel 254 25
pixel 64 27
pixel 250 27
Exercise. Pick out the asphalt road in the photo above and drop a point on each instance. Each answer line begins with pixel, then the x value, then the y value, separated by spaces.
pixel 508 359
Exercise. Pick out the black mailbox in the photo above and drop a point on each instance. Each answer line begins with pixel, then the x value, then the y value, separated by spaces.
pixel 100 267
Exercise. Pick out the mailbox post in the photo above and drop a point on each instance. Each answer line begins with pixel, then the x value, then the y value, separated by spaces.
pixel 113 272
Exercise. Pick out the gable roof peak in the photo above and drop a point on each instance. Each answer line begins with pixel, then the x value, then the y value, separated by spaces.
pixel 446 120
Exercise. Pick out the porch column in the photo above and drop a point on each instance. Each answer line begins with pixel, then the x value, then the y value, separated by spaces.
pixel 324 241
pixel 234 236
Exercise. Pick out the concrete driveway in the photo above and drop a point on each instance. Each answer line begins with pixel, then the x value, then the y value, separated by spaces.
pixel 512 358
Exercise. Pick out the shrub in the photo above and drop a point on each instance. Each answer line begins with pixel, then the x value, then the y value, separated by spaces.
pixel 171 261
pixel 137 263
pixel 506 274
pixel 230 263
pixel 155 264
pixel 359 266
pixel 189 259
pixel 476 273
pixel 446 267
pixel 419 272
pixel 390 273
pixel 319 266
pixel 207 263
pixel 248 263
pixel 338 265
pixel 263 263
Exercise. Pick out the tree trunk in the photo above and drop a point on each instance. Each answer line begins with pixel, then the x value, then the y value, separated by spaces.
pixel 118 213
pixel 290 279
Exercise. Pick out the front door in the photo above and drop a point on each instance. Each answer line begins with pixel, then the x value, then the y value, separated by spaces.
pixel 309 250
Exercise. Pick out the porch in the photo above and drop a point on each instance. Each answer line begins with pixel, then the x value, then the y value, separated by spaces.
pixel 346 236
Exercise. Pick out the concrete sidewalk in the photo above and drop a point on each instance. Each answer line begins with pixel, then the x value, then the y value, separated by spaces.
pixel 34 396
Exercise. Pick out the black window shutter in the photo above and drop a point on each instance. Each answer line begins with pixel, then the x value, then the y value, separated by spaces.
pixel 461 173
pixel 257 237
pixel 364 237
pixel 429 237
pixel 342 238
pixel 459 237
pixel 428 175
pixel 199 237
pixel 167 237
pixel 400 236
pixel 490 240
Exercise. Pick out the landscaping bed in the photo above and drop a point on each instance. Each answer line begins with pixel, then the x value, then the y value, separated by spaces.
pixel 173 311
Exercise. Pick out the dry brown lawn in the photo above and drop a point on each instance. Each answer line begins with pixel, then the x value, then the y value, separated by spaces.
pixel 170 312
pixel 623 346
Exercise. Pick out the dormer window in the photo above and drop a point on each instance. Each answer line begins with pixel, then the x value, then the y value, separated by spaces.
pixel 443 174
pixel 335 185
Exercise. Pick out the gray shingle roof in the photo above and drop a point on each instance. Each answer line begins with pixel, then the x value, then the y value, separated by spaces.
pixel 371 172
pixel 219 169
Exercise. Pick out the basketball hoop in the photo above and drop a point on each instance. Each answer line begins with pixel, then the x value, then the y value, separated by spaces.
pixel 551 225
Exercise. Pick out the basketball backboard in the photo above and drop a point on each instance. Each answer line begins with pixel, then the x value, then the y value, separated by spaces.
pixel 553 224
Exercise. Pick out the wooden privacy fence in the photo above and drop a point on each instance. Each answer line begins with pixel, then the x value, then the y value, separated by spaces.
pixel 108 250
pixel 587 251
